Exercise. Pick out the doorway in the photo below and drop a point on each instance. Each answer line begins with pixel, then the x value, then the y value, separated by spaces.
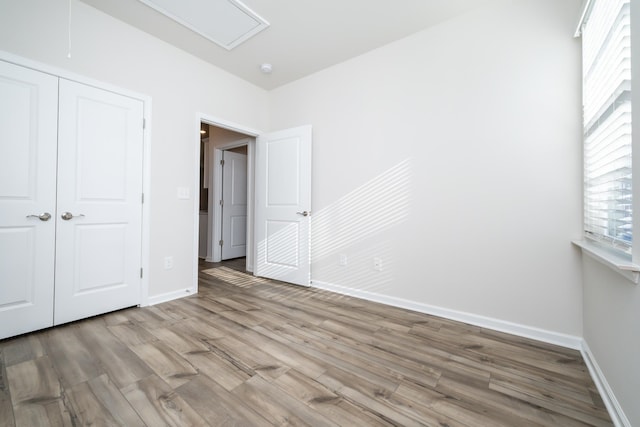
pixel 225 223
pixel 282 253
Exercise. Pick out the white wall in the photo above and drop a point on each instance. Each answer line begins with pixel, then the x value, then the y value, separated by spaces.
pixel 612 331
pixel 180 85
pixel 454 155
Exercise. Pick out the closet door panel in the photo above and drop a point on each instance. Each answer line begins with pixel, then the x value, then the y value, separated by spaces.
pixel 28 134
pixel 99 224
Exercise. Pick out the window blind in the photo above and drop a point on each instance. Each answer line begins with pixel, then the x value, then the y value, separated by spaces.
pixel 607 123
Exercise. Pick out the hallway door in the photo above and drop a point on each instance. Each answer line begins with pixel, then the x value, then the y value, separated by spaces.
pixel 234 207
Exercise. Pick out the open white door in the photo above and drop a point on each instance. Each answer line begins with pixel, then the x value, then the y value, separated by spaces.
pixel 28 133
pixel 283 205
pixel 99 224
pixel 234 207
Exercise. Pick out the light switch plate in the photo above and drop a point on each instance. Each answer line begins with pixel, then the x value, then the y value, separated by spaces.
pixel 183 193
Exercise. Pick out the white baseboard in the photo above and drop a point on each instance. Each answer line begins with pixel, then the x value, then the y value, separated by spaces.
pixel 615 410
pixel 550 337
pixel 169 296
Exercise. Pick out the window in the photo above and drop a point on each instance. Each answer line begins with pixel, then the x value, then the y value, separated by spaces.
pixel 606 50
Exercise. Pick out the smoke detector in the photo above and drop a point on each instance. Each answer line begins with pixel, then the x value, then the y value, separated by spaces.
pixel 266 68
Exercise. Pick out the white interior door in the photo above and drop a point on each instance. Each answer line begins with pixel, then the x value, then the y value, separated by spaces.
pixel 283 205
pixel 99 221
pixel 234 207
pixel 28 123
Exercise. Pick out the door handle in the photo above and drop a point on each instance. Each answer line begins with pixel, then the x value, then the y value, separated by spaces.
pixel 68 215
pixel 42 217
pixel 304 213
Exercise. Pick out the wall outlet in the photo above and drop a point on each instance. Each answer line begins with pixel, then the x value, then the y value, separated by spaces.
pixel 377 264
pixel 168 262
pixel 342 260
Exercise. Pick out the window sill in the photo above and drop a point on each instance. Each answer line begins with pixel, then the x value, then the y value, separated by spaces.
pixel 612 260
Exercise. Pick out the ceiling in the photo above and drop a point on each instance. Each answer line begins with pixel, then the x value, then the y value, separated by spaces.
pixel 304 36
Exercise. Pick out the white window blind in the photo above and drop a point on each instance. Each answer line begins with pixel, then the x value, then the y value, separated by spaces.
pixel 606 55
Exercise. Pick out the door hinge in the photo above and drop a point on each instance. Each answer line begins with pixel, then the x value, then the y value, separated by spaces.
pixel 141 273
pixel 222 162
pixel 142 198
pixel 144 123
pixel 221 202
pixel 221 242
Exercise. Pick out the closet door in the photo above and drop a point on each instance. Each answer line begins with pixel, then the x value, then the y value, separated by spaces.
pixel 28 132
pixel 99 221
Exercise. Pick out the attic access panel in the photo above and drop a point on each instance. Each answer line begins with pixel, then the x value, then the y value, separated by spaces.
pixel 227 23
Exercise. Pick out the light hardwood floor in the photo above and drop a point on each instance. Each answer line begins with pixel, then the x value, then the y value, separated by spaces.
pixel 248 351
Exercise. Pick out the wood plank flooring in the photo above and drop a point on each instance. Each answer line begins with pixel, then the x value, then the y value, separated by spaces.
pixel 253 352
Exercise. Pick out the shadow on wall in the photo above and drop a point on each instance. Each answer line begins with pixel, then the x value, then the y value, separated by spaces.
pixel 350 238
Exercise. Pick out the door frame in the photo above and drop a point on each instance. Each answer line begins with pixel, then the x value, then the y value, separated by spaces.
pixel 146 155
pixel 214 177
pixel 215 224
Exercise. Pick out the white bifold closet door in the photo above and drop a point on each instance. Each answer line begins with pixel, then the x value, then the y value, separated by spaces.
pixel 70 200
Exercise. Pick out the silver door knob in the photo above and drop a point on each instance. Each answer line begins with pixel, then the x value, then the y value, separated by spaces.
pixel 303 213
pixel 68 215
pixel 42 217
